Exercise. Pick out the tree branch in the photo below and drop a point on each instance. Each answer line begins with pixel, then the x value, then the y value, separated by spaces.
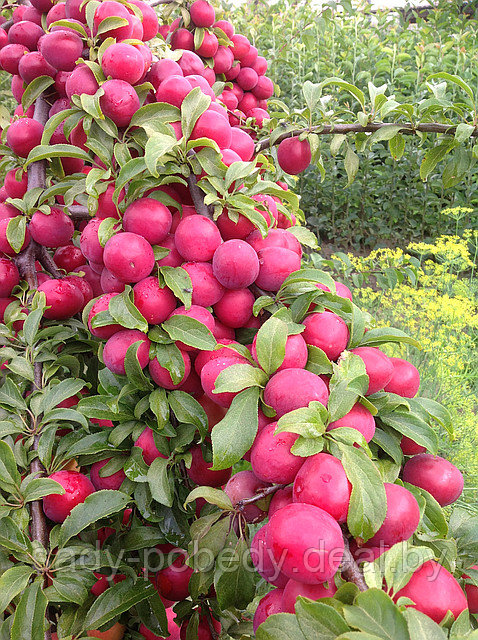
pixel 198 197
pixel 25 262
pixel 328 129
pixel 37 178
pixel 350 569
pixel 47 262
pixel 77 212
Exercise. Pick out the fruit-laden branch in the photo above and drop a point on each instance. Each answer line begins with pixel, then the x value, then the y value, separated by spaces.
pixel 350 569
pixel 37 178
pixel 77 212
pixel 328 129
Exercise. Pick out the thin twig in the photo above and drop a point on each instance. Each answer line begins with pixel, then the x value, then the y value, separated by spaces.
pixel 327 129
pixel 350 569
pixel 47 262
pixel 259 496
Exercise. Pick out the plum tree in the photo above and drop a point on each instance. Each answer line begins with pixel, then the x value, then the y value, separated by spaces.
pixel 145 194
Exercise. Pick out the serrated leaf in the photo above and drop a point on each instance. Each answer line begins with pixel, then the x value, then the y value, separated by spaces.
pixel 270 344
pixel 159 483
pixel 368 501
pixel 100 504
pixel 34 90
pixel 211 495
pixel 190 331
pixel 234 435
pixel 179 281
pixel 29 621
pixel 240 376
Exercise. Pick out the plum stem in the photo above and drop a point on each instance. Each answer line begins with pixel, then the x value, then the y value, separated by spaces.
pixel 259 496
pixel 343 128
pixel 350 569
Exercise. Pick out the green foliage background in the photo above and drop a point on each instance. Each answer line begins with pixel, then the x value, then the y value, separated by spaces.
pixel 388 202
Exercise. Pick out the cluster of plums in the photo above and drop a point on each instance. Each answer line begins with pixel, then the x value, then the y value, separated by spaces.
pixel 230 263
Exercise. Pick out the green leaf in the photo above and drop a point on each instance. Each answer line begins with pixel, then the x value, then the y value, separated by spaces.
pixel 211 495
pixel 158 112
pixel 368 501
pixel 59 392
pixel 234 435
pixel 238 377
pixel 412 426
pixel 189 331
pixel 348 382
pixel 352 89
pixel 41 487
pixel 115 600
pixel 234 581
pixel 13 582
pixel 432 158
pixel 16 230
pixel 29 621
pixel 125 313
pixel 374 337
pixel 421 627
pixel 179 281
pixel 47 152
pixel 308 422
pixel 133 369
pixel 455 80
pixel 375 612
pixel 270 344
pixel 437 411
pixel 170 357
pixel 113 22
pixel 13 538
pixel 351 164
pixel 318 362
pixel 463 132
pixel 401 561
pixel 157 149
pixel 312 93
pixel 194 105
pixel 100 504
pixel 9 473
pixel 318 621
pixel 188 410
pixel 34 90
pixel 397 146
pixel 281 626
pixel 31 325
pixel 159 483
pixel 385 133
